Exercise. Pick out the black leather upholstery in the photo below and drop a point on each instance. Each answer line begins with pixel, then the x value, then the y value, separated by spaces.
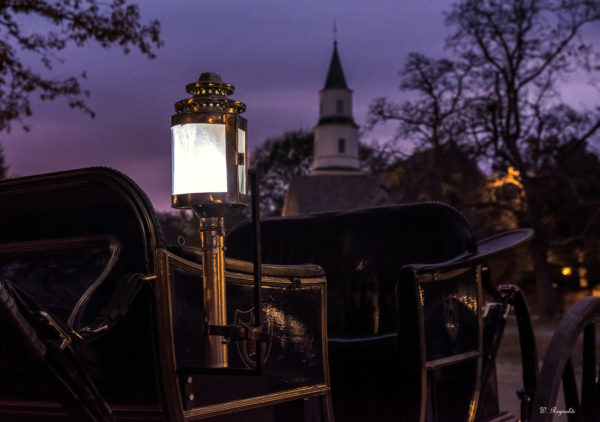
pixel 362 253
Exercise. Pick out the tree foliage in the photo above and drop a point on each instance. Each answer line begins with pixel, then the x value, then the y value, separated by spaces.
pixel 431 118
pixel 46 27
pixel 499 98
pixel 276 162
pixel 523 49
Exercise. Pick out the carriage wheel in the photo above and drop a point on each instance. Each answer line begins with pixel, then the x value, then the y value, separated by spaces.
pixel 581 405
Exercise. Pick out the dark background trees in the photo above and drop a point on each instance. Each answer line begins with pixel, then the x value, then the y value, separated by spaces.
pixel 276 162
pixel 499 99
pixel 572 211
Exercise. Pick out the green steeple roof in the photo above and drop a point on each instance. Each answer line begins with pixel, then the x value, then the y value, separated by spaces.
pixel 335 76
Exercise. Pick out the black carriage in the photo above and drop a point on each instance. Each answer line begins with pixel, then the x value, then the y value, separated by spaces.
pixel 101 320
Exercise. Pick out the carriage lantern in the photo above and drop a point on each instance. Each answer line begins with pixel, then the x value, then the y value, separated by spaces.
pixel 209 175
pixel 209 147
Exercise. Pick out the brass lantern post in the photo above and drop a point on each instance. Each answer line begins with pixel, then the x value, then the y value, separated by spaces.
pixel 209 175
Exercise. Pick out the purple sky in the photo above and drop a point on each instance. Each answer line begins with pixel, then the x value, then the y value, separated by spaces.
pixel 276 54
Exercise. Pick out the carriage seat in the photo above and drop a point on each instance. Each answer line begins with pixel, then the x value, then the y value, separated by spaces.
pixel 362 252
pixel 70 240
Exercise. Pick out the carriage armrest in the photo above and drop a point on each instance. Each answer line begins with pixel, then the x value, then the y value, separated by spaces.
pixel 486 248
pixel 445 319
pixel 454 344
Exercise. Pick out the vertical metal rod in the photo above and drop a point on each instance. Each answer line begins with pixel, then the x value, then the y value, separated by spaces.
pixel 212 232
pixel 257 255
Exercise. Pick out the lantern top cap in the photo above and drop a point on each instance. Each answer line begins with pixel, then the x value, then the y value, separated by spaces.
pixel 209 94
pixel 210 77
pixel 211 84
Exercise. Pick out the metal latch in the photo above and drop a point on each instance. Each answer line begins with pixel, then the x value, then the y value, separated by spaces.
pixel 64 336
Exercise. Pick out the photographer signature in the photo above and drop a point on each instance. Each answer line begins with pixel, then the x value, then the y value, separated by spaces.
pixel 555 411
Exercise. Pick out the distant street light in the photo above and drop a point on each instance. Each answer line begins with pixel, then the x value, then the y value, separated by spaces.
pixel 209 175
pixel 566 271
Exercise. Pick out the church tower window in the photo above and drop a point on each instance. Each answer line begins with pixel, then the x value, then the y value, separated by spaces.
pixel 340 106
pixel 341 145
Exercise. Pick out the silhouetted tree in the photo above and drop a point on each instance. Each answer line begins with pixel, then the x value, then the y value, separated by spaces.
pixel 432 118
pixel 572 208
pixel 46 27
pixel 500 97
pixel 276 161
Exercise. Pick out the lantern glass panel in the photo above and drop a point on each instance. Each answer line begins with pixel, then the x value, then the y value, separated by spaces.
pixel 242 168
pixel 199 158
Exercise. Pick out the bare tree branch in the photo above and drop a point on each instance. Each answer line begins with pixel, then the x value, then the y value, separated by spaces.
pixel 71 23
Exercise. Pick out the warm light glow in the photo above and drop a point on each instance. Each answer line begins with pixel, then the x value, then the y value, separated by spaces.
pixel 583 281
pixel 513 177
pixel 469 301
pixel 199 164
pixel 566 271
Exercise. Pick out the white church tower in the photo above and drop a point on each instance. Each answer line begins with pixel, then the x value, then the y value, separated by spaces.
pixel 335 181
pixel 336 134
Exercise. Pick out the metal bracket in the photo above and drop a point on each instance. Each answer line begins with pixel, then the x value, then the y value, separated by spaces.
pixel 87 330
pixel 239 332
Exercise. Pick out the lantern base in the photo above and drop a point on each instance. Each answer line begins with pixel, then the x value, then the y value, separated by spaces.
pixel 209 201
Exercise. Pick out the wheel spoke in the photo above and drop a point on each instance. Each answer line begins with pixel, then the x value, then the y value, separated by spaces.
pixel 589 384
pixel 584 405
pixel 570 391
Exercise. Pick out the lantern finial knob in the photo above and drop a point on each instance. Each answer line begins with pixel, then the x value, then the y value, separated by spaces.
pixel 209 95
pixel 210 77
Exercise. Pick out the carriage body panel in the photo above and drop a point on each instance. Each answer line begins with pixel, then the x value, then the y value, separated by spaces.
pixel 84 248
pixel 403 344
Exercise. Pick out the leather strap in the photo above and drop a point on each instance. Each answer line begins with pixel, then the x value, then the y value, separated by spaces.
pixel 50 342
pixel 125 292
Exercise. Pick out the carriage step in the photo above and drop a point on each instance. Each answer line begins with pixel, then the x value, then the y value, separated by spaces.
pixel 501 417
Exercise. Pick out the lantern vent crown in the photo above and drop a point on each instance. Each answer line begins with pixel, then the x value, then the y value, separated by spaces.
pixel 209 95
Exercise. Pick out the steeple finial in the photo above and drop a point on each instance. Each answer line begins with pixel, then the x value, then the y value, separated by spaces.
pixel 334 33
pixel 335 75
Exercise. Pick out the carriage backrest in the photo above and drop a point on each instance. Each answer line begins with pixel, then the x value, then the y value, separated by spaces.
pixel 362 252
pixel 67 237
